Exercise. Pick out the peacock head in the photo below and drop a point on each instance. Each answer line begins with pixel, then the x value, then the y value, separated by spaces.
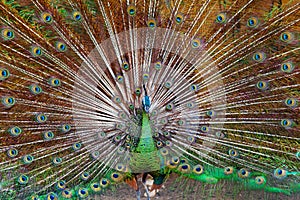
pixel 146 101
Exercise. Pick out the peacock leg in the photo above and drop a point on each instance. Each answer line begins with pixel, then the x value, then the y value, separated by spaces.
pixel 138 194
pixel 144 178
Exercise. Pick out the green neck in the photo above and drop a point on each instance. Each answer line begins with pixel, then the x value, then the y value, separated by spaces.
pixel 146 143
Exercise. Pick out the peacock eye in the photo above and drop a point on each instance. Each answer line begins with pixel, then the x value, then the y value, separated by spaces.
pixel 4 74
pixel 228 170
pixel 204 129
pixel 104 182
pixel 83 193
pixel 262 85
pixel 41 118
pixel 291 102
pixel 7 34
pixel 85 176
pixel 48 135
pixel 280 173
pixel 260 180
pixel 47 17
pixel 198 169
pixel 252 22
pixel 61 185
pixel 60 46
pixel 12 153
pixel 76 146
pixel 243 173
pixel 259 56
pixel 196 43
pixel 76 16
pixel 15 131
pixel 287 67
pixel 179 18
pixel 287 37
pixel 157 65
pixel 131 9
pixel 233 153
pixel 35 89
pixel 286 123
pixel 23 179
pixel 221 18
pixel 8 101
pixel 27 159
pixel 151 23
pixel 55 82
pixel 36 51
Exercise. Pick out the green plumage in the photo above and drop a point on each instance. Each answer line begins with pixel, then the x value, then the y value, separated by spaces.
pixel 199 96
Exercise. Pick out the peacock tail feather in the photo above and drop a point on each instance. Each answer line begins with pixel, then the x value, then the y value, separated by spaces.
pixel 99 93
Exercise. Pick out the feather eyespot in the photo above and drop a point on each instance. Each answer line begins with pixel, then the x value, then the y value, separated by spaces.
pixel 76 146
pixel 51 196
pixel 61 185
pixel 65 128
pixel 116 177
pixel 36 51
pixel 48 135
pixel 260 180
pixel 291 102
pixel 12 153
pixel 67 194
pixel 57 160
pixel 83 193
pixel 23 179
pixel 35 89
pixel 210 113
pixel 221 18
pixel 185 168
pixel 280 173
pixel 15 131
pixel 204 129
pixel 286 123
pixel 151 23
pixel 228 170
pixel 8 101
pixel 259 56
pixel 252 22
pixel 262 85
pixel 125 66
pixel 195 43
pixel 198 169
pixel 60 46
pixel 243 173
pixel 163 151
pixel 47 17
pixel 233 153
pixel 95 187
pixel 84 176
pixel 27 159
pixel 76 16
pixel 157 65
pixel 179 18
pixel 287 67
pixel 131 10
pixel 287 37
pixel 7 34
pixel 55 82
pixel 41 118
pixel 4 74
pixel 104 182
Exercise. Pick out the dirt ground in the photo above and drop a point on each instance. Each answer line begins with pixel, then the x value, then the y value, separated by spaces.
pixel 193 190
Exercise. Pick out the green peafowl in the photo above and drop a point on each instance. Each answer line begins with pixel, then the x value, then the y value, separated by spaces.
pixel 100 93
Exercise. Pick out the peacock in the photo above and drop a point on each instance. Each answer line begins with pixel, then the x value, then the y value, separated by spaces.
pixel 101 94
